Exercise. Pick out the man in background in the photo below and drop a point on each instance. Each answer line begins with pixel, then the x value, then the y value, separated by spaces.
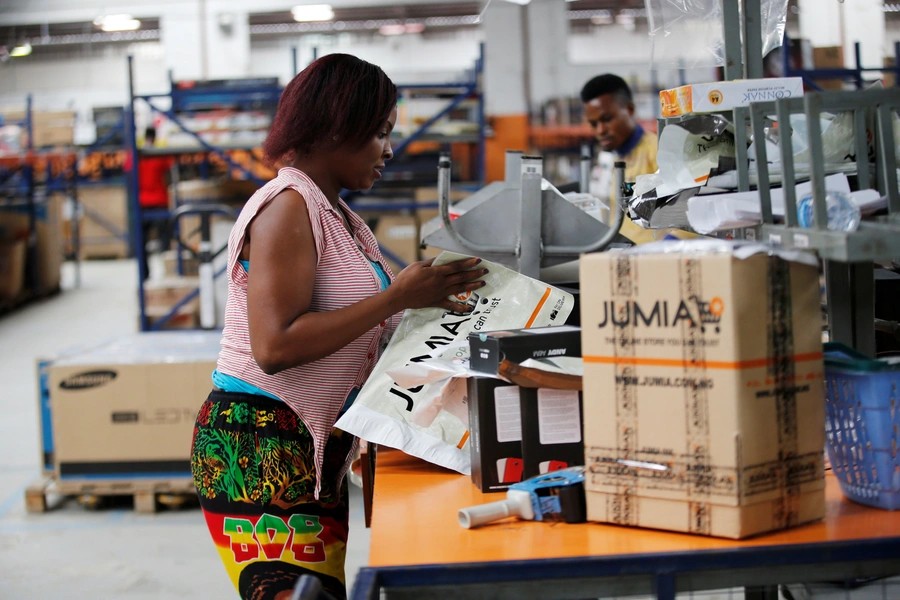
pixel 153 193
pixel 609 109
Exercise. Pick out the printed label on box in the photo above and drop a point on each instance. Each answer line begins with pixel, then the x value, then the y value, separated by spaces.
pixel 559 419
pixel 509 416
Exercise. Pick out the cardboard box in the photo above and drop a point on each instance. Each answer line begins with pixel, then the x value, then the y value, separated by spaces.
pixel 830 57
pixel 704 405
pixel 551 430
pixel 105 209
pixel 48 128
pixel 726 95
pixel 48 227
pixel 490 348
pixel 495 426
pixel 187 317
pixel 165 293
pixel 12 269
pixel 128 407
pixel 189 264
pixel 398 236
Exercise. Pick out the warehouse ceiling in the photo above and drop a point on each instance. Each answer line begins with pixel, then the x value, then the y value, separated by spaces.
pixel 427 17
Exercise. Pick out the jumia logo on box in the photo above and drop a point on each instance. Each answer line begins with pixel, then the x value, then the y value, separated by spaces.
pixel 695 311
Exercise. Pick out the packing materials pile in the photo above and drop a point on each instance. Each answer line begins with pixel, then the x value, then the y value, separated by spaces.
pixel 698 160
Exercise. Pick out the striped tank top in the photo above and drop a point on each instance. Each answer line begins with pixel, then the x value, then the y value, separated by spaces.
pixel 315 391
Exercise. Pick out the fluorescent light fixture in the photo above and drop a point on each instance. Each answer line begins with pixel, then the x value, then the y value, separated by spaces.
pixel 21 50
pixel 117 23
pixel 312 12
pixel 519 2
pixel 414 27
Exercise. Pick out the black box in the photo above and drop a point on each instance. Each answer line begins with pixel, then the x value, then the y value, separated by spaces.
pixel 552 430
pixel 496 449
pixel 490 348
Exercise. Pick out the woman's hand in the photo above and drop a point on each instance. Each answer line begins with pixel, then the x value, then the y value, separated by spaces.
pixel 421 285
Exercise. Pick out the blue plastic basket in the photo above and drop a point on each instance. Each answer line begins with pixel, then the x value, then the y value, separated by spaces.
pixel 862 423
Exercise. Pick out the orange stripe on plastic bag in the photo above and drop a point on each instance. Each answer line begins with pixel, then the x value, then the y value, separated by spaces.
pixel 462 442
pixel 538 309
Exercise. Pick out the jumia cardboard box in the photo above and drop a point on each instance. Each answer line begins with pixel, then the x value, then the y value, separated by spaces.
pixel 127 407
pixel 704 404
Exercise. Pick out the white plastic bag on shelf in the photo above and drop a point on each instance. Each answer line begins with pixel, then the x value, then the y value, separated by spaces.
pixel 428 420
pixel 679 24
pixel 707 214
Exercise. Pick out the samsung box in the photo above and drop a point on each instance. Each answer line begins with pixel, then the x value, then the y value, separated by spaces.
pixel 704 404
pixel 551 430
pixel 491 348
pixel 127 407
pixel 495 426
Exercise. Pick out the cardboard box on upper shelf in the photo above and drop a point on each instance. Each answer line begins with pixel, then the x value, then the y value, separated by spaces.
pixel 704 405
pixel 47 128
pixel 720 96
pixel 829 57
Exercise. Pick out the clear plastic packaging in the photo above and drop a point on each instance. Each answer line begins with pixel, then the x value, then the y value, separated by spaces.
pixel 843 213
pixel 677 24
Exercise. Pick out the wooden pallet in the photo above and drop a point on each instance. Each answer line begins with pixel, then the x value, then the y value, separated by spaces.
pixel 148 494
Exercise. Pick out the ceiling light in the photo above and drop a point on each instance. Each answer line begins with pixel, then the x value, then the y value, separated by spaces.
pixel 21 50
pixel 117 23
pixel 519 2
pixel 312 12
pixel 414 27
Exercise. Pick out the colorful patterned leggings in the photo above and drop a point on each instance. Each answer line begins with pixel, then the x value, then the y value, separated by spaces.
pixel 253 466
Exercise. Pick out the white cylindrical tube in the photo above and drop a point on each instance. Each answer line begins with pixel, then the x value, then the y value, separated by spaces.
pixel 517 504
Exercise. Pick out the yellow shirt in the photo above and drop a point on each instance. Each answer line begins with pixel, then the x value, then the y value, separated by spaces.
pixel 642 161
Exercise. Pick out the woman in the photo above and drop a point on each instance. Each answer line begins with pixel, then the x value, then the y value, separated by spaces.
pixel 309 300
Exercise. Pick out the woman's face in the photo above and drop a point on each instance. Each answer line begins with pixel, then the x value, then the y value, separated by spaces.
pixel 361 168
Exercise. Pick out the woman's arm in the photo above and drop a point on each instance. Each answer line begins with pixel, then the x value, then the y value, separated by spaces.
pixel 283 333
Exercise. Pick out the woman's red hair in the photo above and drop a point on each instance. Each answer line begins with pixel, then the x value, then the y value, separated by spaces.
pixel 337 100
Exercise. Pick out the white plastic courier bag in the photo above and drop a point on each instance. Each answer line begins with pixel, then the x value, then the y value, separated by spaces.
pixel 384 411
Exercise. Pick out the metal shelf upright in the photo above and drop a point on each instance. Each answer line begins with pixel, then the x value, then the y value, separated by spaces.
pixel 179 98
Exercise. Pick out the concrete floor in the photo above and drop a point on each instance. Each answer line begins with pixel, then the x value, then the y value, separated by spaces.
pixel 71 552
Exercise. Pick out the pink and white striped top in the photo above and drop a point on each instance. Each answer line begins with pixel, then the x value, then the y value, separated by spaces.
pixel 315 391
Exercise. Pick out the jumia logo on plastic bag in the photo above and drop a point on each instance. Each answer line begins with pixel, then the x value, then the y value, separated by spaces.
pixel 450 323
pixel 661 314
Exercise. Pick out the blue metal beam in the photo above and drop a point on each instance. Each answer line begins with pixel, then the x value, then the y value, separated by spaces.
pixel 669 564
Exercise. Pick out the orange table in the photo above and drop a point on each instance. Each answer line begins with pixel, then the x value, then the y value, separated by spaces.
pixel 414 523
